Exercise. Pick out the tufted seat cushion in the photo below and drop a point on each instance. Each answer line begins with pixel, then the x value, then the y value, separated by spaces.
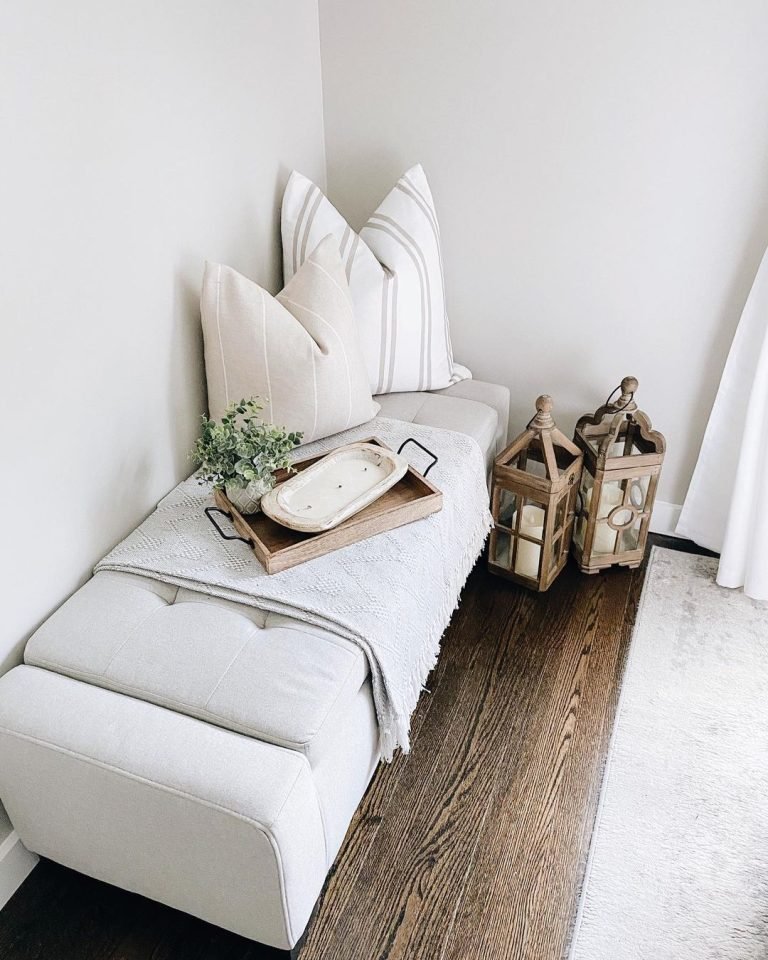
pixel 256 673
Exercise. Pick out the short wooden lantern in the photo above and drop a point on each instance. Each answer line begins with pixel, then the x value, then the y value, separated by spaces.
pixel 535 481
pixel 622 463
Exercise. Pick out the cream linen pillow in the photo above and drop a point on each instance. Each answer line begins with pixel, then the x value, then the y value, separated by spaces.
pixel 395 272
pixel 299 351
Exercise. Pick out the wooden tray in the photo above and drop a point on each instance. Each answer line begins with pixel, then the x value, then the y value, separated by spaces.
pixel 279 548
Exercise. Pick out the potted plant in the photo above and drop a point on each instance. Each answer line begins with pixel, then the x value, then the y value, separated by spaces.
pixel 240 454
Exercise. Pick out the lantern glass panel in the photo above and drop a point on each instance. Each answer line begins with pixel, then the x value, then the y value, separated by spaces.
pixel 611 496
pixel 635 450
pixel 622 516
pixel 630 538
pixel 638 491
pixel 560 513
pixel 622 448
pixel 507 508
pixel 578 530
pixel 527 559
pixel 534 465
pixel 530 461
pixel 530 534
pixel 585 489
pixel 628 442
pixel 605 538
pixel 582 503
pixel 502 552
pixel 532 520
pixel 554 552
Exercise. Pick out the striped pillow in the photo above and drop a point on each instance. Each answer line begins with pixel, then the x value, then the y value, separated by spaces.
pixel 395 273
pixel 299 352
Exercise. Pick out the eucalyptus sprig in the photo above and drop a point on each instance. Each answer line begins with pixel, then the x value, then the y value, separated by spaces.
pixel 241 447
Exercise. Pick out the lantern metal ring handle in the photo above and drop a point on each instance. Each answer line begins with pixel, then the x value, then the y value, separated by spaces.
pixel 613 393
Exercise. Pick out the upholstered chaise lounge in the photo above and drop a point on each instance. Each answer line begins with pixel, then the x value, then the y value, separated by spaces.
pixel 199 751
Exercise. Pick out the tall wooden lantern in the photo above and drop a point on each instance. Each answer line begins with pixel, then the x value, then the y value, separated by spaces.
pixel 535 481
pixel 622 463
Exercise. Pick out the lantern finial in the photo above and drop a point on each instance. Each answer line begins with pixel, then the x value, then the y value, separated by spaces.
pixel 543 419
pixel 626 401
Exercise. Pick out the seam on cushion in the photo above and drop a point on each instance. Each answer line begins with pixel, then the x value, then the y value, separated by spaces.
pixel 221 345
pixel 478 403
pixel 132 634
pixel 293 624
pixel 342 345
pixel 265 353
pixel 119 686
pixel 120 576
pixel 345 294
pixel 229 666
pixel 423 396
pixel 316 403
pixel 265 829
pixel 420 408
pixel 342 688
pixel 319 809
pixel 316 734
pixel 211 599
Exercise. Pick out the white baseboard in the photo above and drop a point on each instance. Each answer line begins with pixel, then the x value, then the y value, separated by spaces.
pixel 16 863
pixel 664 518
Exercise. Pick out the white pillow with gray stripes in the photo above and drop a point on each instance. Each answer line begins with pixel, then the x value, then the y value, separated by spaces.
pixel 395 273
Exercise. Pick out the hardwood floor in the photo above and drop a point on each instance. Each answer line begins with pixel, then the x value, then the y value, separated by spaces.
pixel 473 846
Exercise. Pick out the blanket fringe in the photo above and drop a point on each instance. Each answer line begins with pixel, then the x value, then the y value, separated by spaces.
pixel 395 733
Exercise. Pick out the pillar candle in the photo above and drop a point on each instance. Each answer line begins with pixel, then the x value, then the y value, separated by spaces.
pixel 528 554
pixel 611 497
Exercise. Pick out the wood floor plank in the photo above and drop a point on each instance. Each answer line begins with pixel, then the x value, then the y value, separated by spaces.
pixel 63 915
pixel 425 849
pixel 520 899
pixel 426 835
pixel 341 884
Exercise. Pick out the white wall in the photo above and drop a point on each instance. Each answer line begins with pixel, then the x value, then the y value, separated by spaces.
pixel 601 175
pixel 138 139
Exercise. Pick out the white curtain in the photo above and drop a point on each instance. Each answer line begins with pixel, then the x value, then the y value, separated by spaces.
pixel 726 508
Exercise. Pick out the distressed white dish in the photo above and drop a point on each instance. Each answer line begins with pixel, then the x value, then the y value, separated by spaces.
pixel 335 488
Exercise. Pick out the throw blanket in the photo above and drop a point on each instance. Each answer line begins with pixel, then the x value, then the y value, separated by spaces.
pixel 392 594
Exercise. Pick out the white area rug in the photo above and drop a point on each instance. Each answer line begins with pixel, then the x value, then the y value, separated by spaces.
pixel 678 868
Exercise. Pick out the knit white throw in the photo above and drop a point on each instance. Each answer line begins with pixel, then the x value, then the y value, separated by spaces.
pixel 392 594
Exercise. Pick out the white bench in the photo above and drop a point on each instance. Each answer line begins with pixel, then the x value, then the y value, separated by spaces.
pixel 198 751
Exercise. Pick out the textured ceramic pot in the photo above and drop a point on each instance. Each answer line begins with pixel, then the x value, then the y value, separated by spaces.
pixel 248 499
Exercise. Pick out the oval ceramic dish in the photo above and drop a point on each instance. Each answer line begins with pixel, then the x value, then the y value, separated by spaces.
pixel 335 488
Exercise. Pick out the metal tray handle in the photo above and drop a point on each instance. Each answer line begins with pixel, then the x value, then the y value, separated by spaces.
pixel 422 447
pixel 209 511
